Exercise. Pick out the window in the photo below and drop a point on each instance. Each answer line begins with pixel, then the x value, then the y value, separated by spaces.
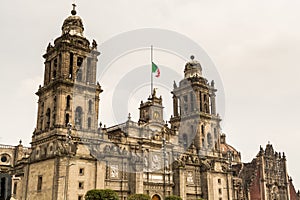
pixel 80 197
pixel 89 122
pixel 67 119
pixel 202 130
pixel 71 65
pixel 79 61
pixel 78 117
pixel 3 158
pixel 48 114
pixel 80 185
pixel 15 188
pixel 81 171
pixel 90 106
pixel 68 104
pixel 220 191
pixel 54 68
pixel 40 182
pixel 219 181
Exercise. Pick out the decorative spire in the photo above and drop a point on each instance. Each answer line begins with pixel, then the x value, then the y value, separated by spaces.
pixel 73 12
pixel 192 57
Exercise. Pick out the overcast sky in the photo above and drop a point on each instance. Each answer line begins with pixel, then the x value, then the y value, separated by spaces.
pixel 255 46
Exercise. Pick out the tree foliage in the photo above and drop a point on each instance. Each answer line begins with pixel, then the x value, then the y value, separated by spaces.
pixel 101 195
pixel 173 197
pixel 139 197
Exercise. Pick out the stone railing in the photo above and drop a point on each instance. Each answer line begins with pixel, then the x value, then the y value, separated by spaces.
pixel 3 146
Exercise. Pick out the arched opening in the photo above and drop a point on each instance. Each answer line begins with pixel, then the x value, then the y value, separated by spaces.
pixel 67 119
pixel 78 117
pixel 48 115
pixel 156 197
pixel 68 104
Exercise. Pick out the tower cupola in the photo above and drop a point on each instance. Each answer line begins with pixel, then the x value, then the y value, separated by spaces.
pixel 73 24
pixel 192 68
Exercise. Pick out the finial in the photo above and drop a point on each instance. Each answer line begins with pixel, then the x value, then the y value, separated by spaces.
pixel 73 12
pixel 154 92
pixel 20 142
pixel 192 57
pixel 129 116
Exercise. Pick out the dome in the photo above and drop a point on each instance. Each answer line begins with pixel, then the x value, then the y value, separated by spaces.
pixel 73 25
pixel 192 68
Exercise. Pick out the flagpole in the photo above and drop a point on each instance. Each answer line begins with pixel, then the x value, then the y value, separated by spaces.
pixel 151 70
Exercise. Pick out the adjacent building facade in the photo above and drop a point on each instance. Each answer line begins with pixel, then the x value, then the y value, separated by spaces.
pixel 189 157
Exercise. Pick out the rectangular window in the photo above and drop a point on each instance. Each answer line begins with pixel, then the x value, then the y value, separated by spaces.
pixel 40 182
pixel 81 185
pixel 219 181
pixel 80 197
pixel 15 188
pixel 81 171
pixel 220 191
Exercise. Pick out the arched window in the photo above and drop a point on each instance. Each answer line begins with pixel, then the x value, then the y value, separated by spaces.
pixel 48 118
pixel 78 117
pixel 90 106
pixel 68 104
pixel 89 122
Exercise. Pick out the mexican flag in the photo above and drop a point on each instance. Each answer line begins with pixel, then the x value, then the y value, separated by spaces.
pixel 155 69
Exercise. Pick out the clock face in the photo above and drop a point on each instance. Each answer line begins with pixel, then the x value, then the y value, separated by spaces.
pixel 156 115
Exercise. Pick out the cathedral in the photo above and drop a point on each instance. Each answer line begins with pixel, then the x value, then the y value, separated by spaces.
pixel 186 156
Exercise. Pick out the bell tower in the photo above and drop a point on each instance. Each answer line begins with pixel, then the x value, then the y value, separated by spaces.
pixel 70 94
pixel 67 116
pixel 194 110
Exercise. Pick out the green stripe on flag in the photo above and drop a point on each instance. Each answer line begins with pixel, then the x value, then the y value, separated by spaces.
pixel 154 67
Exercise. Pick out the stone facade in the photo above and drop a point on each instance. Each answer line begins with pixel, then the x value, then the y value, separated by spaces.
pixel 188 157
